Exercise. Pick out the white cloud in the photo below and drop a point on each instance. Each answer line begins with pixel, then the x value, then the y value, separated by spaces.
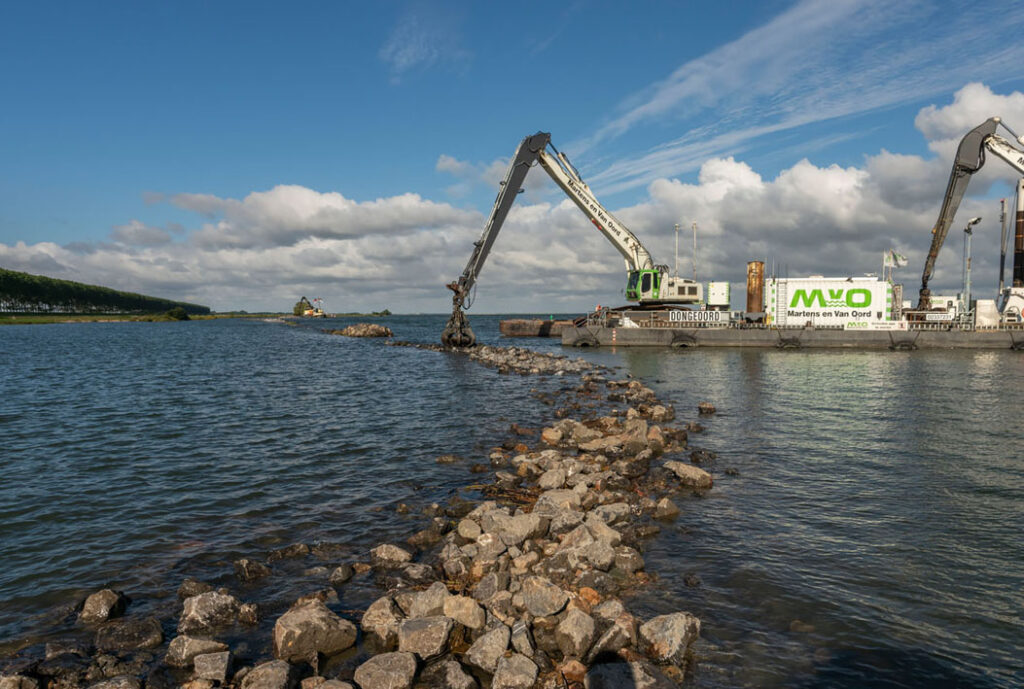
pixel 138 233
pixel 263 251
pixel 425 35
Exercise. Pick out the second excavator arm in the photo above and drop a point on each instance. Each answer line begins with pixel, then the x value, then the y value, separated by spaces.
pixel 970 157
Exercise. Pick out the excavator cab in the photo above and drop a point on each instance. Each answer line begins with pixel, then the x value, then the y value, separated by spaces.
pixel 643 285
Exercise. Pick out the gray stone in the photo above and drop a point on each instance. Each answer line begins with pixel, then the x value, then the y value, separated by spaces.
pixel 619 635
pixel 612 513
pixel 429 603
pixel 387 671
pixel 565 521
pixel 469 529
pixel 666 638
pixel 488 649
pixel 551 479
pixel 603 532
pixel 465 611
pixel 18 682
pixel 600 555
pixel 490 584
pixel 628 560
pixel 690 475
pixel 522 639
pixel 192 587
pixel 129 634
pixel 249 614
pixel 389 556
pixel 542 598
pixel 575 633
pixel 666 509
pixel 304 631
pixel 380 622
pixel 340 574
pixel 122 682
pixel 208 612
pixel 489 546
pixel 183 648
pixel 250 570
pixel 447 674
pixel 515 672
pixel 213 666
pixel 277 674
pixel 418 573
pixel 609 610
pixel 515 530
pixel 427 637
pixel 102 606
pixel 554 501
pixel 619 674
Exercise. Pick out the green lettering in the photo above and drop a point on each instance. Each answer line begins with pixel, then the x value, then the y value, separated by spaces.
pixel 835 294
pixel 808 298
pixel 864 301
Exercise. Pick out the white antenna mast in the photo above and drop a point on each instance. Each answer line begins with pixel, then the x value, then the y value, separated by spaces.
pixel 695 252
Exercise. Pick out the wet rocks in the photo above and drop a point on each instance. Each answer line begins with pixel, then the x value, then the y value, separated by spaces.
pixel 690 475
pixel 250 570
pixel 129 634
pixel 364 330
pixel 543 598
pixel 311 629
pixel 277 674
pixel 389 556
pixel 514 672
pixel 427 637
pixel 208 612
pixel 488 649
pixel 667 638
pixel 213 666
pixel 18 682
pixel 340 574
pixel 183 649
pixel 380 622
pixel 387 671
pixel 706 408
pixel 102 606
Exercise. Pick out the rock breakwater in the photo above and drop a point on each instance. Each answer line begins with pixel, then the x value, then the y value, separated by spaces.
pixel 526 587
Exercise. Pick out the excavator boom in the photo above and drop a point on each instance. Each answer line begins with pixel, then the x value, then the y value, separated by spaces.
pixel 970 157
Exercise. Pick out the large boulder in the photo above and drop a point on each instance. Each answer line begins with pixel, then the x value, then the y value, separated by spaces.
pixel 213 666
pixel 666 638
pixel 277 674
pixel 427 637
pixel 183 649
pixel 447 674
pixel 390 556
pixel 18 682
pixel 465 611
pixel 429 603
pixel 380 622
pixel 575 633
pixel 208 612
pixel 304 631
pixel 102 606
pixel 542 598
pixel 488 649
pixel 129 634
pixel 515 672
pixel 387 671
pixel 689 475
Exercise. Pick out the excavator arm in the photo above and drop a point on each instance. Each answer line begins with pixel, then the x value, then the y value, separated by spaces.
pixel 970 157
pixel 533 149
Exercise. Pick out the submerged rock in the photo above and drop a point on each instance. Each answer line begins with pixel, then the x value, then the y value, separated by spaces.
pixel 129 634
pixel 208 612
pixel 690 475
pixel 102 606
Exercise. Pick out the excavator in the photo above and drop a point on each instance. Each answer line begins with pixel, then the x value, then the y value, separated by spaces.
pixel 647 284
pixel 970 157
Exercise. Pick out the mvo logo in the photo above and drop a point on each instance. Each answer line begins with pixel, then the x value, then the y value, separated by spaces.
pixel 858 298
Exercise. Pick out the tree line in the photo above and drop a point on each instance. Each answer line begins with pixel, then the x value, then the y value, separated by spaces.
pixel 27 293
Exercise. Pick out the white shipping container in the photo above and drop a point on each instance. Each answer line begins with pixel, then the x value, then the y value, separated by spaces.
pixel 719 294
pixel 820 301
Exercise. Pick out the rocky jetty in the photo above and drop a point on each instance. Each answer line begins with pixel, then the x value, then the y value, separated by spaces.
pixel 526 587
pixel 363 330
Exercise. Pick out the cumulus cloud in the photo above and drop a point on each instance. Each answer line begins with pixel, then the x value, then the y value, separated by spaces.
pixel 263 251
pixel 138 233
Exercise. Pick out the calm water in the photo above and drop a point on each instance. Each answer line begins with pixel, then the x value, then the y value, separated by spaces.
pixel 872 539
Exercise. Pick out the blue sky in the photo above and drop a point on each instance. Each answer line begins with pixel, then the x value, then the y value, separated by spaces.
pixel 243 154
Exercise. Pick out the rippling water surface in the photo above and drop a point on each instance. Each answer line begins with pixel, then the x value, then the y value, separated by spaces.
pixel 873 536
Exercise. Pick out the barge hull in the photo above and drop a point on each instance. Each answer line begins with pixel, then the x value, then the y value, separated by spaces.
pixel 790 338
